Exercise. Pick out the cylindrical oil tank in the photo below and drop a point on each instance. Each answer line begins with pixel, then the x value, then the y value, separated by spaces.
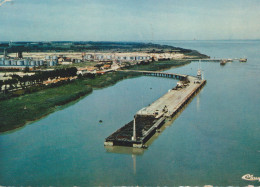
pixel 33 63
pixel 26 62
pixel 13 62
pixel 20 63
pixel 52 63
pixel 7 62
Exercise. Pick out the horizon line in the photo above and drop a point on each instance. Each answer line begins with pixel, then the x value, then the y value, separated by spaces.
pixel 7 41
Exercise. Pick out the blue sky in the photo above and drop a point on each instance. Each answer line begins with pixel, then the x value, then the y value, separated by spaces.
pixel 129 20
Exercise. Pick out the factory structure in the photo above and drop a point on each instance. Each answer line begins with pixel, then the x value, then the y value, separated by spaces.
pixel 20 62
pixel 116 57
pixel 34 60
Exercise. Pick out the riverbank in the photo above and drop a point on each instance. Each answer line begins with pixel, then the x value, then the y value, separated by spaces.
pixel 18 111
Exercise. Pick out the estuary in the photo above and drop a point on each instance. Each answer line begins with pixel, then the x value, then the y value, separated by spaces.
pixel 214 140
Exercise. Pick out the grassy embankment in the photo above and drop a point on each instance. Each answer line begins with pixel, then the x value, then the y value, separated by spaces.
pixel 38 104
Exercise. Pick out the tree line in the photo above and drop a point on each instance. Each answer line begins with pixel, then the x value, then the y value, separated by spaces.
pixel 37 78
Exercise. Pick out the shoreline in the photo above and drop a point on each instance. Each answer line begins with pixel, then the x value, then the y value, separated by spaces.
pixel 39 108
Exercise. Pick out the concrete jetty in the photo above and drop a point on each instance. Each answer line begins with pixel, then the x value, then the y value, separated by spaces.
pixel 221 61
pixel 150 119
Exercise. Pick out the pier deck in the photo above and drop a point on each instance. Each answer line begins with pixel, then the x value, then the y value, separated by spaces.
pixel 171 101
pixel 151 118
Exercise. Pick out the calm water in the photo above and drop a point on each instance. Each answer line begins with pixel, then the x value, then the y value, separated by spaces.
pixel 215 140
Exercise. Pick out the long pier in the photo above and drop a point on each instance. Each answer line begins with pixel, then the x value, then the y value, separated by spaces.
pixel 160 74
pixel 219 60
pixel 150 119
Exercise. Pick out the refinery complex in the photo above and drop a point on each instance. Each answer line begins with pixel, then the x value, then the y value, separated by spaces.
pixel 22 60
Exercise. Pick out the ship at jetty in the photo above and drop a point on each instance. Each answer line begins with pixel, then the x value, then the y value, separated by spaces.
pixel 242 60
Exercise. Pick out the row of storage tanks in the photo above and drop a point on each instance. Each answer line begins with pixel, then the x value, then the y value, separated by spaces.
pixel 110 57
pixel 133 58
pixel 26 62
pixel 51 57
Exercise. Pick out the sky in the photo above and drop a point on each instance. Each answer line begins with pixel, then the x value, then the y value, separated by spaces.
pixel 128 20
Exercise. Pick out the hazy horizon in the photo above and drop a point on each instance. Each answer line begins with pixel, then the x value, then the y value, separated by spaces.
pixel 129 20
pixel 125 40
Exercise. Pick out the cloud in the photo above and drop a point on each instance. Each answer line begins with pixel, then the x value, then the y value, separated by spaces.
pixel 3 2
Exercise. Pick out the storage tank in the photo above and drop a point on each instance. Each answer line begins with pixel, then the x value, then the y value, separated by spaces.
pixel 7 62
pixel 13 62
pixel 20 63
pixel 52 63
pixel 33 63
pixel 90 57
pixel 26 62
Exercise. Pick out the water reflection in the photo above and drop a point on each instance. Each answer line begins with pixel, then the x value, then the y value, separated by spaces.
pixel 134 163
pixel 124 150
pixel 198 102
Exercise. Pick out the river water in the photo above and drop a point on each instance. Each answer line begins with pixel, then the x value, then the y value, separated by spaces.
pixel 215 140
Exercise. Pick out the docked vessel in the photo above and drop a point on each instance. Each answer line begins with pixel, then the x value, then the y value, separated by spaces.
pixel 223 62
pixel 242 60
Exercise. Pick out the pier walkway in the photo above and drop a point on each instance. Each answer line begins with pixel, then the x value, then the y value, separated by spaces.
pixel 219 60
pixel 169 104
pixel 160 74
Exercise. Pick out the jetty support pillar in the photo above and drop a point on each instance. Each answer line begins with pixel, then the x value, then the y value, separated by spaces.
pixel 134 130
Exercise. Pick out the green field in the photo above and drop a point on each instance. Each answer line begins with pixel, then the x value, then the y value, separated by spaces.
pixel 17 111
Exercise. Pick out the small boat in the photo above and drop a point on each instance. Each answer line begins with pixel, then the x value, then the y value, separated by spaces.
pixel 242 60
pixel 223 62
pixel 230 60
pixel 100 121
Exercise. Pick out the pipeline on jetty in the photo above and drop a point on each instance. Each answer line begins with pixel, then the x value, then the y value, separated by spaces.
pixel 221 61
pixel 150 119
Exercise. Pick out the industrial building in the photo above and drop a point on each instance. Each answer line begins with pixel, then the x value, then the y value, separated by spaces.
pixel 118 57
